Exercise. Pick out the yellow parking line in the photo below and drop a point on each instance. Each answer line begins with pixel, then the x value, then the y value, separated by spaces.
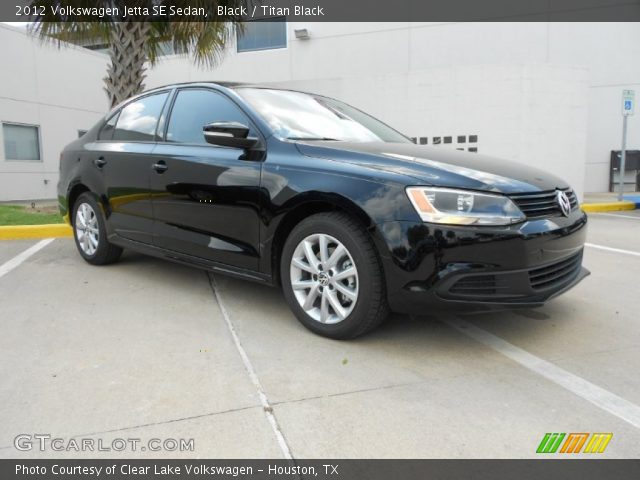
pixel 608 206
pixel 18 232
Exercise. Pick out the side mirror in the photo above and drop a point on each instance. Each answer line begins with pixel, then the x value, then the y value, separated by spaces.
pixel 229 134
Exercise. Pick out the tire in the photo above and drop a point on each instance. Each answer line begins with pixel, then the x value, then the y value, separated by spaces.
pixel 90 233
pixel 352 276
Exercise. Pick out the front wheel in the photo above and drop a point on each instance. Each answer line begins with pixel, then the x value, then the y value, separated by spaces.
pixel 332 277
pixel 90 232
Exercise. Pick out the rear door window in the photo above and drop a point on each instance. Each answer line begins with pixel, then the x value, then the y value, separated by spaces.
pixel 138 120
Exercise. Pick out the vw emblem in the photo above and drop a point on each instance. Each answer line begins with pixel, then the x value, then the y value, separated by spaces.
pixel 564 203
pixel 323 279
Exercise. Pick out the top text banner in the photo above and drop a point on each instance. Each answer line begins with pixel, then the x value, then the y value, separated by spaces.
pixel 322 10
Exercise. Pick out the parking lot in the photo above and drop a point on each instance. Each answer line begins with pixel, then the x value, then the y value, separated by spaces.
pixel 150 349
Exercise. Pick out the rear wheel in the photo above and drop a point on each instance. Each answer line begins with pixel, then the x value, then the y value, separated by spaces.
pixel 90 232
pixel 332 277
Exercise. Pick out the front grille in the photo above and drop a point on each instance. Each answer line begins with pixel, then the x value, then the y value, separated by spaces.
pixel 555 274
pixel 542 204
pixel 475 285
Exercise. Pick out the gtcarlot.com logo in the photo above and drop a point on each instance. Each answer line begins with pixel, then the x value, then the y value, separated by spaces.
pixel 44 442
pixel 574 442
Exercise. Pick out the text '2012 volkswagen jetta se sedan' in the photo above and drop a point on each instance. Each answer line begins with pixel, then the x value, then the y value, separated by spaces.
pixel 348 216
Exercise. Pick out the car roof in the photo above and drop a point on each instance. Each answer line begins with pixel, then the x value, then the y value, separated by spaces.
pixel 181 84
pixel 217 83
pixel 230 85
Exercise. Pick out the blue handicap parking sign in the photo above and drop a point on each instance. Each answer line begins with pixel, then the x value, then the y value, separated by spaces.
pixel 627 104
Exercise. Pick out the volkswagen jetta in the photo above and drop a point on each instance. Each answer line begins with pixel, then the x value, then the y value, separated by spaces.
pixel 348 216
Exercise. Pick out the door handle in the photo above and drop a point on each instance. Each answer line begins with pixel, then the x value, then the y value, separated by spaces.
pixel 160 167
pixel 100 162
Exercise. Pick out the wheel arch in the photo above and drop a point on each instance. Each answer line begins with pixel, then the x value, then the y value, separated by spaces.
pixel 74 192
pixel 311 204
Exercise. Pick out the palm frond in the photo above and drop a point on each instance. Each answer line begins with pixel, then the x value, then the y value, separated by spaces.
pixel 132 44
pixel 52 27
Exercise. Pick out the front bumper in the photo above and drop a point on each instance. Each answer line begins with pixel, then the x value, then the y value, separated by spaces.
pixel 430 266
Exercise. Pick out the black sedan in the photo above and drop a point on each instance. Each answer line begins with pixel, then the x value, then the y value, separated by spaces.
pixel 348 216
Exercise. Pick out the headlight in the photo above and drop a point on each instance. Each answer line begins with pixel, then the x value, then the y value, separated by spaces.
pixel 463 207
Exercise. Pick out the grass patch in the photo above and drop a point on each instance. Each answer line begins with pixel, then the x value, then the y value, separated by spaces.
pixel 25 215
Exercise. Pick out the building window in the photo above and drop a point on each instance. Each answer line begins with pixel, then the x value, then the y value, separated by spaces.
pixel 171 48
pixel 21 142
pixel 263 34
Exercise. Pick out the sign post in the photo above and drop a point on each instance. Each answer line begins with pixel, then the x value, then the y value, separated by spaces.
pixel 628 102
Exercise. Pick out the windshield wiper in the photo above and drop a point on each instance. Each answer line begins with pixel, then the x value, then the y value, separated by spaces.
pixel 327 139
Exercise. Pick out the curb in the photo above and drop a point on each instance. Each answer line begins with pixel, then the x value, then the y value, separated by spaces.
pixel 608 206
pixel 18 232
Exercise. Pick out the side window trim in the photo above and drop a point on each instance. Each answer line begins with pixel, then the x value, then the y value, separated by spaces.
pixel 172 101
pixel 165 115
pixel 115 116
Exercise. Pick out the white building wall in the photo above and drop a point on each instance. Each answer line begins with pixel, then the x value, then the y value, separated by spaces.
pixel 540 93
pixel 58 90
pixel 495 103
pixel 605 54
pixel 610 51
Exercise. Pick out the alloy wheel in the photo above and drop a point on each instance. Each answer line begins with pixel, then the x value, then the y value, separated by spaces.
pixel 324 278
pixel 87 229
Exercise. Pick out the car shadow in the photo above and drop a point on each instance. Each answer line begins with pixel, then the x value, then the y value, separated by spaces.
pixel 398 328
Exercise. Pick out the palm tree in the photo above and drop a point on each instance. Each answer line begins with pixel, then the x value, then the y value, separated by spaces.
pixel 134 44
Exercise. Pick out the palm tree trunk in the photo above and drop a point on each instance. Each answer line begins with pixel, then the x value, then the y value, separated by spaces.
pixel 127 51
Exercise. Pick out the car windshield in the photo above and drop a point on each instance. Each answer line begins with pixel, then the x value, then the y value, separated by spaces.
pixel 303 116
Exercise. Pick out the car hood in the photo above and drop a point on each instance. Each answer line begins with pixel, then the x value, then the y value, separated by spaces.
pixel 438 166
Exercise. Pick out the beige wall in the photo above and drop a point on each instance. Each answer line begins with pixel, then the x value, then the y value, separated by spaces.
pixel 606 53
pixel 540 93
pixel 58 90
